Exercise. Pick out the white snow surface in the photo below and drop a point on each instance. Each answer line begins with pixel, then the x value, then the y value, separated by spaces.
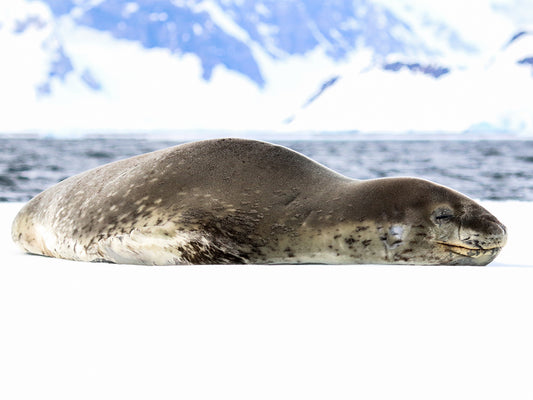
pixel 73 330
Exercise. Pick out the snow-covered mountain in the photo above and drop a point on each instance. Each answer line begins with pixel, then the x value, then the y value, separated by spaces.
pixel 77 66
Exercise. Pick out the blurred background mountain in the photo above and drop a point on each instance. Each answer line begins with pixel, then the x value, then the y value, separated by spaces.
pixel 376 66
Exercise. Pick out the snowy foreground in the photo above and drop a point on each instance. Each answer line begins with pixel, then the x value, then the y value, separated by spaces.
pixel 73 330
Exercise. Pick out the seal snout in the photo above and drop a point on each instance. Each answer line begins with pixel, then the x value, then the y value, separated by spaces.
pixel 480 239
pixel 495 231
pixel 487 233
pixel 498 230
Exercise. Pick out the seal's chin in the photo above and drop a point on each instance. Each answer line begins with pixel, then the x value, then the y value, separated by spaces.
pixel 472 255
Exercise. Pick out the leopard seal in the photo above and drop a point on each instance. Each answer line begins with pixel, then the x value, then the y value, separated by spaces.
pixel 243 201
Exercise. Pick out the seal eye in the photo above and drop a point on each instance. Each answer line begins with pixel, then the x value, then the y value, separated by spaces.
pixel 442 215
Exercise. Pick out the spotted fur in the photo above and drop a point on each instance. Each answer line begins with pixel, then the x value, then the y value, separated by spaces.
pixel 233 201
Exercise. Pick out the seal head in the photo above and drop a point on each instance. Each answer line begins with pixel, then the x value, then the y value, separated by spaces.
pixel 243 201
pixel 420 222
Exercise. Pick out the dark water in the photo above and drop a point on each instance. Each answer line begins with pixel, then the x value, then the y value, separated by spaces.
pixel 495 170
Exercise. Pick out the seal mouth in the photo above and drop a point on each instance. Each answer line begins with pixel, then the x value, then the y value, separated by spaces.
pixel 467 251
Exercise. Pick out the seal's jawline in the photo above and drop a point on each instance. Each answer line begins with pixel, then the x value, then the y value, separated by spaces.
pixel 466 251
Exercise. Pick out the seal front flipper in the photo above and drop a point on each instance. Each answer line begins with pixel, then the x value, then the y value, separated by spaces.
pixel 158 246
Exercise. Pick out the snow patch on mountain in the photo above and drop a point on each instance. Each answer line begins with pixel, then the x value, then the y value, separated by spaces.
pixel 495 97
pixel 382 65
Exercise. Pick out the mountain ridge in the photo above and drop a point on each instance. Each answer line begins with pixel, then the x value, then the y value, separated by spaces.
pixel 258 65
